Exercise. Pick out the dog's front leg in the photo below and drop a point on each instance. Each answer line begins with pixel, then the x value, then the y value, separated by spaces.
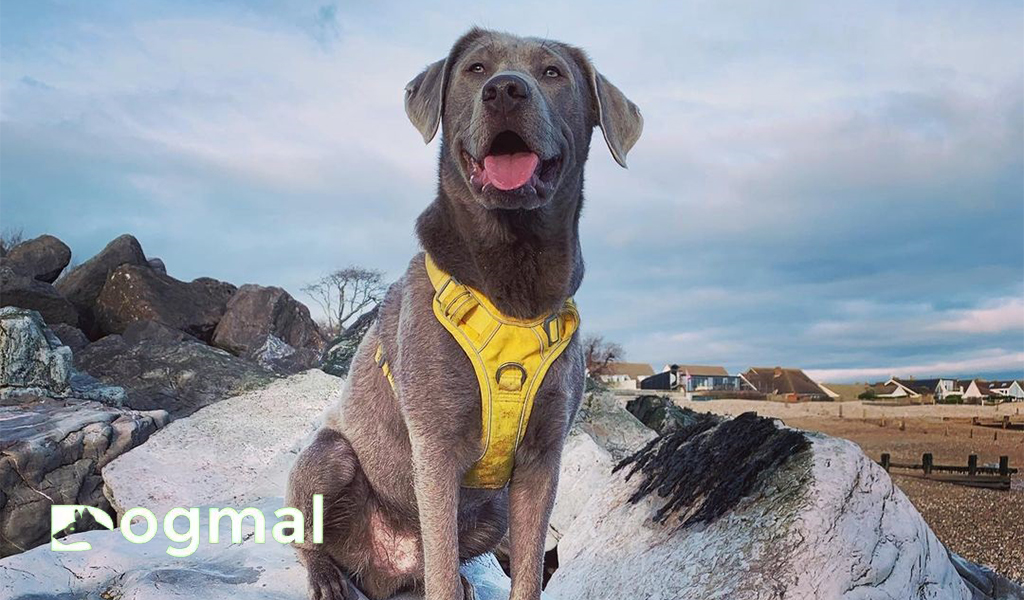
pixel 437 496
pixel 531 497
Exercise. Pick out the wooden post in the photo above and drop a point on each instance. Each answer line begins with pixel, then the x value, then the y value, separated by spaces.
pixel 885 461
pixel 972 465
pixel 1006 421
pixel 926 463
pixel 972 433
pixel 1004 466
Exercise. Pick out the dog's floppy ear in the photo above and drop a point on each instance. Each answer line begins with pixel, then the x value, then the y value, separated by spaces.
pixel 620 119
pixel 425 94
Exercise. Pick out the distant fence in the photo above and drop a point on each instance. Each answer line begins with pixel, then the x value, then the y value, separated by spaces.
pixel 1005 423
pixel 972 475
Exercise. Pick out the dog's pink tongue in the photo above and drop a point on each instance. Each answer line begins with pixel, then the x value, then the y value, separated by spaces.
pixel 509 171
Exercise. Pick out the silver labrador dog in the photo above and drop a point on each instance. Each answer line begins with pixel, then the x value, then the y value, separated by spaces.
pixel 516 116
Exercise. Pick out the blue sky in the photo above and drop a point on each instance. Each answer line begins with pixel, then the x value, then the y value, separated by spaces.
pixel 830 186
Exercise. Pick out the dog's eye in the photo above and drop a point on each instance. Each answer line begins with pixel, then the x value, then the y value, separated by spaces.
pixel 552 72
pixel 476 68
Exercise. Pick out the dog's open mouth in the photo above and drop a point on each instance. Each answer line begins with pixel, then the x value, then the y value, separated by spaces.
pixel 510 165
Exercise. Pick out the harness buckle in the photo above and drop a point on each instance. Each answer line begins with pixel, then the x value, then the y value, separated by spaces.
pixel 511 365
pixel 553 338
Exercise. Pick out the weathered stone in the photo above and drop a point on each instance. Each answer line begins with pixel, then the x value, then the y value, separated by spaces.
pixel 42 258
pixel 661 414
pixel 137 293
pixel 240 448
pixel 256 311
pixel 826 523
pixel 177 376
pixel 116 568
pixel 339 353
pixel 32 360
pixel 279 357
pixel 51 452
pixel 83 284
pixel 70 336
pixel 611 426
pixel 25 292
pixel 141 332
pixel 157 265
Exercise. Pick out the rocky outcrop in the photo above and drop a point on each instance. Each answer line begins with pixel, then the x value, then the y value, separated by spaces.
pixel 138 293
pixel 51 452
pixel 116 568
pixel 661 414
pixel 42 258
pixel 157 265
pixel 32 360
pixel 745 510
pixel 273 354
pixel 338 355
pixel 23 291
pixel 238 449
pixel 255 312
pixel 70 336
pixel 83 284
pixel 177 376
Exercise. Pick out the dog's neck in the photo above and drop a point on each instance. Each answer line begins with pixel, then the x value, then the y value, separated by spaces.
pixel 527 262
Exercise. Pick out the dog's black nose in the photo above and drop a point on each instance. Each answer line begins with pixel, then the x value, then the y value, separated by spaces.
pixel 505 91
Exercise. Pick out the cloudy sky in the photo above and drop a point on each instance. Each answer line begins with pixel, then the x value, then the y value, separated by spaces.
pixel 830 186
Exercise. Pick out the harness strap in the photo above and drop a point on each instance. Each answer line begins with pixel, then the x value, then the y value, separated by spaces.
pixel 510 358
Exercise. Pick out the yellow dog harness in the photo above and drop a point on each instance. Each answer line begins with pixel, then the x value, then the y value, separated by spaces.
pixel 510 357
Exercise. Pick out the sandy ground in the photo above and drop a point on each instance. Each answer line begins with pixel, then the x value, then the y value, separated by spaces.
pixel 985 526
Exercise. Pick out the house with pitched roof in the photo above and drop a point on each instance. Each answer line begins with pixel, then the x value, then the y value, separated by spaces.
pixel 693 379
pixel 794 384
pixel 625 375
pixel 1012 389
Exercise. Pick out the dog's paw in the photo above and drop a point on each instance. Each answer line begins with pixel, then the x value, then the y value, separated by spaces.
pixel 328 582
pixel 467 589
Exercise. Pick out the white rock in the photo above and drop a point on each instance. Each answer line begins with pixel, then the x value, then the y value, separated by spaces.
pixel 230 452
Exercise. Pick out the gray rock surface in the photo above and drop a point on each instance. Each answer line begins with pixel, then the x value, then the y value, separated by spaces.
pixel 255 312
pixel 660 413
pixel 138 293
pixel 83 284
pixel 70 336
pixel 117 569
pixel 273 354
pixel 42 258
pixel 827 524
pixel 157 265
pixel 338 354
pixel 235 450
pixel 32 360
pixel 177 376
pixel 23 291
pixel 51 452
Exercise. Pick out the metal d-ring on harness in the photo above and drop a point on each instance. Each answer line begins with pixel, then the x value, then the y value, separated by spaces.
pixel 510 358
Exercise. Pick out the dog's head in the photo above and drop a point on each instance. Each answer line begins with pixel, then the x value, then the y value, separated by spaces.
pixel 517 115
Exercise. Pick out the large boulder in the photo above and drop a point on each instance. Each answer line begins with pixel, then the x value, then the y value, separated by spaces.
pixel 255 312
pixel 83 284
pixel 238 449
pixel 178 376
pixel 338 355
pixel 272 353
pixel 70 336
pixel 42 258
pixel 247 570
pixel 32 359
pixel 51 452
pixel 25 292
pixel 138 293
pixel 661 414
pixel 746 509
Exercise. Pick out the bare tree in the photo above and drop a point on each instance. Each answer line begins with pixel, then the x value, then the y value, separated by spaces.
pixel 9 239
pixel 599 353
pixel 346 293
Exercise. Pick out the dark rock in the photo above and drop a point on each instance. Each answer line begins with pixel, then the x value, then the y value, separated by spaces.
pixel 83 284
pixel 70 336
pixel 273 354
pixel 339 353
pixel 42 258
pixel 178 376
pixel 51 452
pixel 134 293
pixel 661 414
pixel 24 292
pixel 256 311
pixel 157 265
pixel 151 331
